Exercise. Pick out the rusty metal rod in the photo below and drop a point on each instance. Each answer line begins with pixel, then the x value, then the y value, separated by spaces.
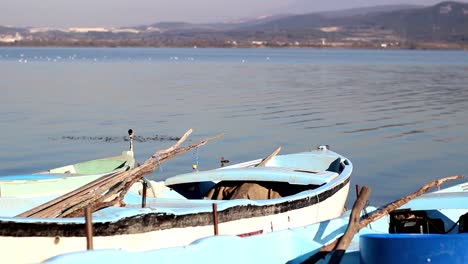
pixel 88 228
pixel 143 197
pixel 215 218
pixel 223 161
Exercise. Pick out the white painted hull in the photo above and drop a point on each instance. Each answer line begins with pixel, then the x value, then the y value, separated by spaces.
pixel 41 248
pixel 177 221
pixel 297 245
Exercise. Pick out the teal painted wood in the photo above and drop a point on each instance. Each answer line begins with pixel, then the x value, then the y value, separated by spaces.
pixel 64 179
pixel 180 220
pixel 267 174
pixel 298 244
pixel 174 203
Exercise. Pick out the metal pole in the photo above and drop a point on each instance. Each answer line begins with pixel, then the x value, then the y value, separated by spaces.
pixel 130 136
pixel 143 198
pixel 88 228
pixel 215 218
pixel 223 161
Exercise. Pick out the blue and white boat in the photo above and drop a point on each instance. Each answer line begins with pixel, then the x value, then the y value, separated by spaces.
pixel 64 179
pixel 289 191
pixel 431 228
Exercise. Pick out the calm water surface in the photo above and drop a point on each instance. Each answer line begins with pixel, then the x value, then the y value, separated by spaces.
pixel 399 116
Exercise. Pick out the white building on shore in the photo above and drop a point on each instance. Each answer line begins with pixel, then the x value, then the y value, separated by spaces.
pixel 9 38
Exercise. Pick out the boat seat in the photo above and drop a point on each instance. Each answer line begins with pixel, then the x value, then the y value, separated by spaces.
pixel 65 169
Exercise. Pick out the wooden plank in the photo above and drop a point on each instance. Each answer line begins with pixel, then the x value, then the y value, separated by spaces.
pixel 269 157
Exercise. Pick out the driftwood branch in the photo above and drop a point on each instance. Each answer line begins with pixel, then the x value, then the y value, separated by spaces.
pixel 398 203
pixel 379 214
pixel 353 225
pixel 108 190
pixel 269 157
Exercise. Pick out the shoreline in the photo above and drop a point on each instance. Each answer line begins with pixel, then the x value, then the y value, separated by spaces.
pixel 420 46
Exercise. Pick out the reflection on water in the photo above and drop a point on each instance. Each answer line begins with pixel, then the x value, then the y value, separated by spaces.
pixel 398 115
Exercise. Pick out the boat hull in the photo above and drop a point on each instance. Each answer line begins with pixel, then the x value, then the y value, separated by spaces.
pixel 169 222
pixel 64 179
pixel 43 247
pixel 373 243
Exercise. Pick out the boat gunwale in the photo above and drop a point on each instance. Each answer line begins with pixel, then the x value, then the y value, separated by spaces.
pixel 154 221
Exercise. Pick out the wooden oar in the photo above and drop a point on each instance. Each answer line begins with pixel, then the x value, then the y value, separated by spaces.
pixel 269 157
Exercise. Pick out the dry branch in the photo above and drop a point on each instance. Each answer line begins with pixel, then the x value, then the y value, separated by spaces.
pixel 108 190
pixel 379 214
pixel 398 203
pixel 353 225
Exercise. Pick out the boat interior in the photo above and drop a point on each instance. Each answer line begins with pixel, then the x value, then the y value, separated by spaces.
pixel 275 180
pixel 98 166
pixel 407 221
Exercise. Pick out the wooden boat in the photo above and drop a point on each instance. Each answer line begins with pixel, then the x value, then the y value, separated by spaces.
pixel 429 229
pixel 289 191
pixel 66 178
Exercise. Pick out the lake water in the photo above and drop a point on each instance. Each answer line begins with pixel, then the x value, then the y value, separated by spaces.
pixel 399 116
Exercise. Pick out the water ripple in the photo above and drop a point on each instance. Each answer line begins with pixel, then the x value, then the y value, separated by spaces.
pixel 379 127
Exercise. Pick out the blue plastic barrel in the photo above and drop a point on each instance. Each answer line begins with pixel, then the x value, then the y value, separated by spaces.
pixel 413 248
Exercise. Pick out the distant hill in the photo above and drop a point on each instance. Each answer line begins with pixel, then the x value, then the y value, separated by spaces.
pixel 11 30
pixel 359 10
pixel 308 6
pixel 178 26
pixel 444 25
pixel 447 21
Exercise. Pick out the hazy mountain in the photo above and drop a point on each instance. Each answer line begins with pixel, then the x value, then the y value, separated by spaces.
pixel 400 25
pixel 181 26
pixel 229 25
pixel 444 21
pixel 367 10
pixel 317 6
pixel 11 30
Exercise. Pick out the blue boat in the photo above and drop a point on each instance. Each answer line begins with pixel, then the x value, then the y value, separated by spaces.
pixel 431 228
pixel 284 192
pixel 58 181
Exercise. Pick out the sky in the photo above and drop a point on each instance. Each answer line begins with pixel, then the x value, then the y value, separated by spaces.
pixel 118 13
